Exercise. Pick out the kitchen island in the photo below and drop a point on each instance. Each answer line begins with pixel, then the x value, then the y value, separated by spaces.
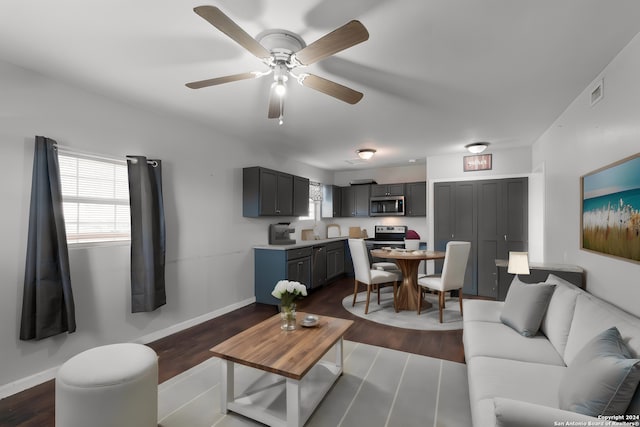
pixel 313 263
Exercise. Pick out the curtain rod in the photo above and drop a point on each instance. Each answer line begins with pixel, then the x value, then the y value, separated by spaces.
pixel 63 148
pixel 86 154
pixel 133 160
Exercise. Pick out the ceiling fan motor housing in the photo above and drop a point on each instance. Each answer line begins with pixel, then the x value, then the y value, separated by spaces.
pixel 281 43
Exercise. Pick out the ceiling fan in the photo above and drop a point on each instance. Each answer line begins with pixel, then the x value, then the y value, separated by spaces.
pixel 283 51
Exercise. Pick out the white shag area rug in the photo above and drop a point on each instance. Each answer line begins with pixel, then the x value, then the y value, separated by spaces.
pixel 428 320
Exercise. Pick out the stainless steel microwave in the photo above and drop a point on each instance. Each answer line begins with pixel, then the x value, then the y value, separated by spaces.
pixel 386 206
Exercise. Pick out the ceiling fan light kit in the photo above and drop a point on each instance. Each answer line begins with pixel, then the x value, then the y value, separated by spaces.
pixel 476 147
pixel 283 51
pixel 366 153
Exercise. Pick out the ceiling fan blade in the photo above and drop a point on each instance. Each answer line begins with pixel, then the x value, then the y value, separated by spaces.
pixel 334 89
pixel 276 104
pixel 339 39
pixel 223 23
pixel 221 80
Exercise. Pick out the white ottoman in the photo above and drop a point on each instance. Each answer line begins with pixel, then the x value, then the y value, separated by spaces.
pixel 109 386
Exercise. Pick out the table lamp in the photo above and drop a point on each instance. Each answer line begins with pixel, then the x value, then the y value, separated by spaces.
pixel 518 263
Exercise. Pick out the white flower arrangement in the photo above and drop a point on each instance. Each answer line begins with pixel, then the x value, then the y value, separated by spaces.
pixel 288 291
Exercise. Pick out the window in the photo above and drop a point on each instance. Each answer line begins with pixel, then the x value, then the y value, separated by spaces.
pixel 312 211
pixel 95 198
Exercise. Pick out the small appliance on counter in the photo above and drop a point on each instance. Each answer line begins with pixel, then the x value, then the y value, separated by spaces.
pixel 280 234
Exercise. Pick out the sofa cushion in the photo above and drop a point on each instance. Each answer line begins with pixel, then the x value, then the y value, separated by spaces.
pixel 525 305
pixel 498 340
pixel 556 323
pixel 516 413
pixel 602 378
pixel 491 377
pixel 592 316
pixel 482 310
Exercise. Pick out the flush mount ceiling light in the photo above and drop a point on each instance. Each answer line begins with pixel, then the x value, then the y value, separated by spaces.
pixel 477 147
pixel 366 153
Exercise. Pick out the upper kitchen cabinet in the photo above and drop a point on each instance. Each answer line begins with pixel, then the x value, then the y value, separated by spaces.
pixel 331 201
pixel 355 200
pixel 381 190
pixel 416 198
pixel 300 196
pixel 267 192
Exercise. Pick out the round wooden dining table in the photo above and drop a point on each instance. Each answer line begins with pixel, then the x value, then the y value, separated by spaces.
pixel 408 261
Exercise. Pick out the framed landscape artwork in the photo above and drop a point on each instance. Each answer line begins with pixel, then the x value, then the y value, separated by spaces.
pixel 610 222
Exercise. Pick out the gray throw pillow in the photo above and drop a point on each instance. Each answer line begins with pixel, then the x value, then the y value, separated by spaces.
pixel 602 378
pixel 525 306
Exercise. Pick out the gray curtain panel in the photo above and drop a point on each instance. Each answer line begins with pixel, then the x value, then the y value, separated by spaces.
pixel 47 302
pixel 147 234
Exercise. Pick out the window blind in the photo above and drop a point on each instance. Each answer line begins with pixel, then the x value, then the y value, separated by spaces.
pixel 95 196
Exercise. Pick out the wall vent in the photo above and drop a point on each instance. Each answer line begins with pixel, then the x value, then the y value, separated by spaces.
pixel 597 92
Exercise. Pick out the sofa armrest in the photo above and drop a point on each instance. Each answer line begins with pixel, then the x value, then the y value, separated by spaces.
pixel 516 413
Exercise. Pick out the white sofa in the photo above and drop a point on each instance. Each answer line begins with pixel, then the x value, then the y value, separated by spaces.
pixel 515 380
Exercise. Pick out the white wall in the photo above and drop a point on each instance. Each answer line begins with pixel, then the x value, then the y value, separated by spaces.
pixel 209 261
pixel 583 139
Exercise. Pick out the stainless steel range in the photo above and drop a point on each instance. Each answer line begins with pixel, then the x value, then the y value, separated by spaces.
pixel 388 235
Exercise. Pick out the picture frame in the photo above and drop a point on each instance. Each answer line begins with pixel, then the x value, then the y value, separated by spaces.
pixel 610 210
pixel 477 162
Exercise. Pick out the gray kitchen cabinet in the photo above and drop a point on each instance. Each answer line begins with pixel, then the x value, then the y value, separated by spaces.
pixel 331 201
pixel 313 266
pixel 319 266
pixel 355 200
pixel 299 265
pixel 266 192
pixel 300 196
pixel 381 190
pixel 416 198
pixel 335 259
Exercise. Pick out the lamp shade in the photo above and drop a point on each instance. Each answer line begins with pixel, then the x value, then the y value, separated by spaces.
pixel 518 263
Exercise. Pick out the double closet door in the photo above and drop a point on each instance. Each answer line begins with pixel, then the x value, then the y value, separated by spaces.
pixel 492 215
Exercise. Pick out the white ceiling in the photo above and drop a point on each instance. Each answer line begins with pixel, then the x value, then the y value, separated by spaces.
pixel 436 74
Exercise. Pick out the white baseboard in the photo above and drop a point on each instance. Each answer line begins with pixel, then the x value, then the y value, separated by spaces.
pixel 49 374
pixel 154 336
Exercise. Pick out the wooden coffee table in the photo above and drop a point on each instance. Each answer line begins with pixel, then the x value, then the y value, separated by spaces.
pixel 295 355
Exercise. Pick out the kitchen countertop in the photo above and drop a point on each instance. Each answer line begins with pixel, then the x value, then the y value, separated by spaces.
pixel 301 244
pixel 307 243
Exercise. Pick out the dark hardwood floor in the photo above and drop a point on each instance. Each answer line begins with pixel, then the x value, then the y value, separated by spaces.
pixel 185 349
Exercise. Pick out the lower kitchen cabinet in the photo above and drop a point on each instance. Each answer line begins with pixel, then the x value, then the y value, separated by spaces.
pixel 313 266
pixel 299 266
pixel 335 259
